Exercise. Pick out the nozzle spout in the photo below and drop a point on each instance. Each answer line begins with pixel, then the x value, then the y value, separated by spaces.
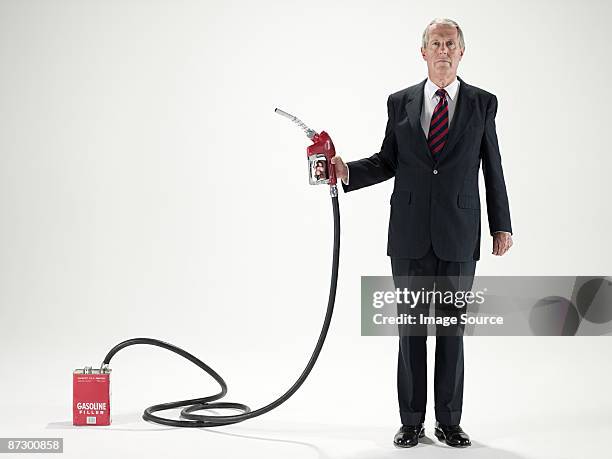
pixel 310 133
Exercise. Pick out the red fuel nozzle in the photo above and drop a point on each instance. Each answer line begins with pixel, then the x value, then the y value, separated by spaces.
pixel 320 169
pixel 323 147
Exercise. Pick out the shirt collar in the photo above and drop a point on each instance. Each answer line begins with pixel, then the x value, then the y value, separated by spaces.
pixel 451 89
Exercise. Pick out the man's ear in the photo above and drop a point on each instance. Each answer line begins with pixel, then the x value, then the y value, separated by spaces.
pixel 423 53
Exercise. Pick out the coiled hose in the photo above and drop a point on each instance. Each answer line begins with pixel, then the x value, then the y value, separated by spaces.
pixel 188 413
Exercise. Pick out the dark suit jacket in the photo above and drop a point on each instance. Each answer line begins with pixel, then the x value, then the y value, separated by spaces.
pixel 436 201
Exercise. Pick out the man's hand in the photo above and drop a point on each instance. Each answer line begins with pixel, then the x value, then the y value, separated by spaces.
pixel 341 169
pixel 502 242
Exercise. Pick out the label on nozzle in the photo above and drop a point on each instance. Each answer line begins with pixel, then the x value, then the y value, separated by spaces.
pixel 318 169
pixel 91 397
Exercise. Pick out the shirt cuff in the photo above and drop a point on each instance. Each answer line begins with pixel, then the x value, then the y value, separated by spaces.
pixel 346 182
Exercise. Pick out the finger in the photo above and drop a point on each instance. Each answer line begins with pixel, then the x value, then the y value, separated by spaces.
pixel 506 247
pixel 500 246
pixel 508 244
pixel 495 245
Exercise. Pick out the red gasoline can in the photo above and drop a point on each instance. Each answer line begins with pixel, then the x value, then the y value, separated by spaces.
pixel 91 397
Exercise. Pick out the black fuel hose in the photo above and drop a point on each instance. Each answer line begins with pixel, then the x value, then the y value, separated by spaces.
pixel 189 418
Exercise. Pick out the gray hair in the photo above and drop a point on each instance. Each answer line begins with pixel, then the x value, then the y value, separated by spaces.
pixel 444 21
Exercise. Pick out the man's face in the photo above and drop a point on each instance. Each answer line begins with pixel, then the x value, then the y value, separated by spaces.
pixel 443 52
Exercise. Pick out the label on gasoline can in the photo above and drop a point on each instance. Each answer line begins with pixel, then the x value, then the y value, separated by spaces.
pixel 91 397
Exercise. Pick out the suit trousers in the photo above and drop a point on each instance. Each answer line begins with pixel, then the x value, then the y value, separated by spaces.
pixel 412 356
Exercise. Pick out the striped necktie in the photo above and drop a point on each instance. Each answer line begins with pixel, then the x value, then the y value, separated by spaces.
pixel 438 128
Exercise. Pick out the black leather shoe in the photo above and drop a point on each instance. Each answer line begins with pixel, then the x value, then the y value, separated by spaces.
pixel 452 435
pixel 408 436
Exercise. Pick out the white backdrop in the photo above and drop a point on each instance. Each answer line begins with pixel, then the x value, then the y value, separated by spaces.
pixel 148 189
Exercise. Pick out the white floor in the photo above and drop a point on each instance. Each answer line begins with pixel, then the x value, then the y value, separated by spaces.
pixel 270 437
pixel 545 398
pixel 524 398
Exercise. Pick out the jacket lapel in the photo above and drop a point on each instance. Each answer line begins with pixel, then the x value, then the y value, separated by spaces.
pixel 414 102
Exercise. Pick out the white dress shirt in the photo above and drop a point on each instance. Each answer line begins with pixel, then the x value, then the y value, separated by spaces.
pixel 430 100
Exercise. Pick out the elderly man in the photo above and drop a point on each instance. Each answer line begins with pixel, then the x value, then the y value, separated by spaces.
pixel 438 133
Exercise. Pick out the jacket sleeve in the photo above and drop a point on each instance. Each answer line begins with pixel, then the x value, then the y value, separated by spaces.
pixel 498 210
pixel 380 166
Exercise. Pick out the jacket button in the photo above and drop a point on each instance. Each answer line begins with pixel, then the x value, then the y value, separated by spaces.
pixel 435 171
